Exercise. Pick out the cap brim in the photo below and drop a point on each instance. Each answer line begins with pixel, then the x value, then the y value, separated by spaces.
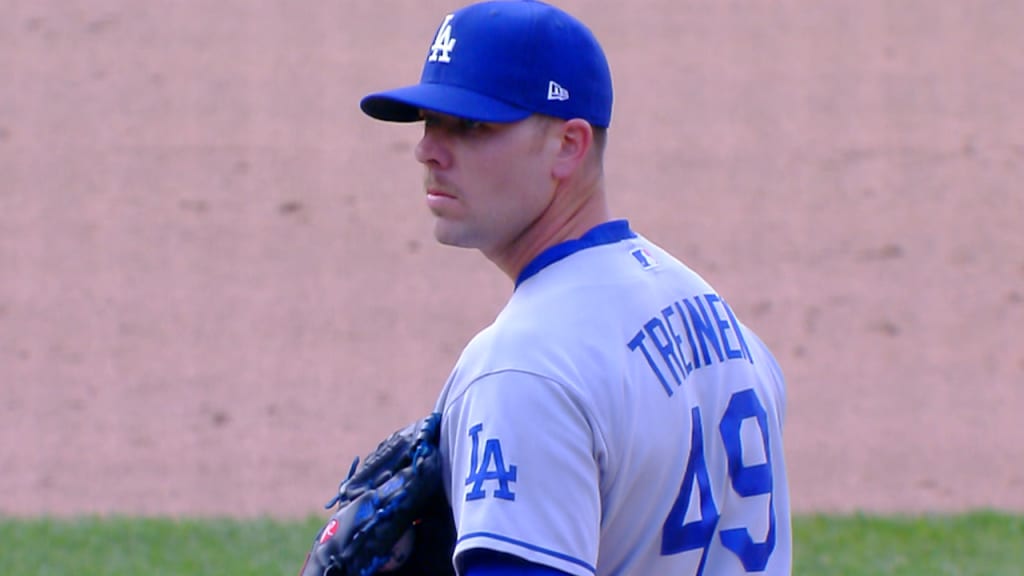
pixel 405 104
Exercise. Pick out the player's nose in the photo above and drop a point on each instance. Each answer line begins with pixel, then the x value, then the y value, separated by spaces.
pixel 430 150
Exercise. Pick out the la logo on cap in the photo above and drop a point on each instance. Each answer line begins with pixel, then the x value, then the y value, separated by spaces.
pixel 443 43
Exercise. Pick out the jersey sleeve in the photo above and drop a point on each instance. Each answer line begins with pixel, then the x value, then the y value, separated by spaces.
pixel 490 563
pixel 523 476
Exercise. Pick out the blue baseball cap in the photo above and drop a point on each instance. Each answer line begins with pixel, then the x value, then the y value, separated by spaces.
pixel 501 61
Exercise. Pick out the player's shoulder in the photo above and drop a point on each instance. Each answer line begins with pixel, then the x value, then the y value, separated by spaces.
pixel 514 341
pixel 535 342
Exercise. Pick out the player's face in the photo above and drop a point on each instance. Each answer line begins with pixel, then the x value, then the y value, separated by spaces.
pixel 486 184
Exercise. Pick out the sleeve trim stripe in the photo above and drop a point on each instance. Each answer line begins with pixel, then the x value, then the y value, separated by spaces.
pixel 528 546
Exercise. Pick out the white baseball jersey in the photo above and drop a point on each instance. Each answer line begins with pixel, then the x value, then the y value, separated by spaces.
pixel 617 419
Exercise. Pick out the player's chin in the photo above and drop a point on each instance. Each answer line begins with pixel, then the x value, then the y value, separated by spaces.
pixel 450 232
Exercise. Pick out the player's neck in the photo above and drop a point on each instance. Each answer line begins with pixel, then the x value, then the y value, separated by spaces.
pixel 571 216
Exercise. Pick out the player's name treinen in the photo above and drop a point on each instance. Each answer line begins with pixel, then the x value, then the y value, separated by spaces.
pixel 690 334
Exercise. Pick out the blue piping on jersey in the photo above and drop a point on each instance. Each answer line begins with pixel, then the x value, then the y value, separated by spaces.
pixel 529 546
pixel 512 569
pixel 607 233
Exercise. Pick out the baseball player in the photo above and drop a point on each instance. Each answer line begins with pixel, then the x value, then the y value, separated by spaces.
pixel 617 418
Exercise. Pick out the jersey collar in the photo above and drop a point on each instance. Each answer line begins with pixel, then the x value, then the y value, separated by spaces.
pixel 607 233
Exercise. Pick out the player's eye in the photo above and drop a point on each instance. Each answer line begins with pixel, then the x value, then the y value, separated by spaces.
pixel 452 124
pixel 467 125
pixel 429 120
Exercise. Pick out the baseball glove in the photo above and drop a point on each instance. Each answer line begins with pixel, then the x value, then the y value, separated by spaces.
pixel 392 515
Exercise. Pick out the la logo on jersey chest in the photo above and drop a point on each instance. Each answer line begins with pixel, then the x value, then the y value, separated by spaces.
pixel 444 43
pixel 487 469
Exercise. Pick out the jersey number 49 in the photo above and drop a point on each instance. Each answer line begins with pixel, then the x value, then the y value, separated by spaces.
pixel 680 536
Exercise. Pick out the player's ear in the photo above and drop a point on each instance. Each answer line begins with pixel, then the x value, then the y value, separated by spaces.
pixel 576 138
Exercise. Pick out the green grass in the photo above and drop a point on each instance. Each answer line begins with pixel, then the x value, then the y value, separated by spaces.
pixel 153 547
pixel 980 543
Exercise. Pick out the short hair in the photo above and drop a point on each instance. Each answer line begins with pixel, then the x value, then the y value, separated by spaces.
pixel 600 140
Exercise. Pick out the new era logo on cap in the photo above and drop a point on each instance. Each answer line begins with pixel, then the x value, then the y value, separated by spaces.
pixel 556 92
